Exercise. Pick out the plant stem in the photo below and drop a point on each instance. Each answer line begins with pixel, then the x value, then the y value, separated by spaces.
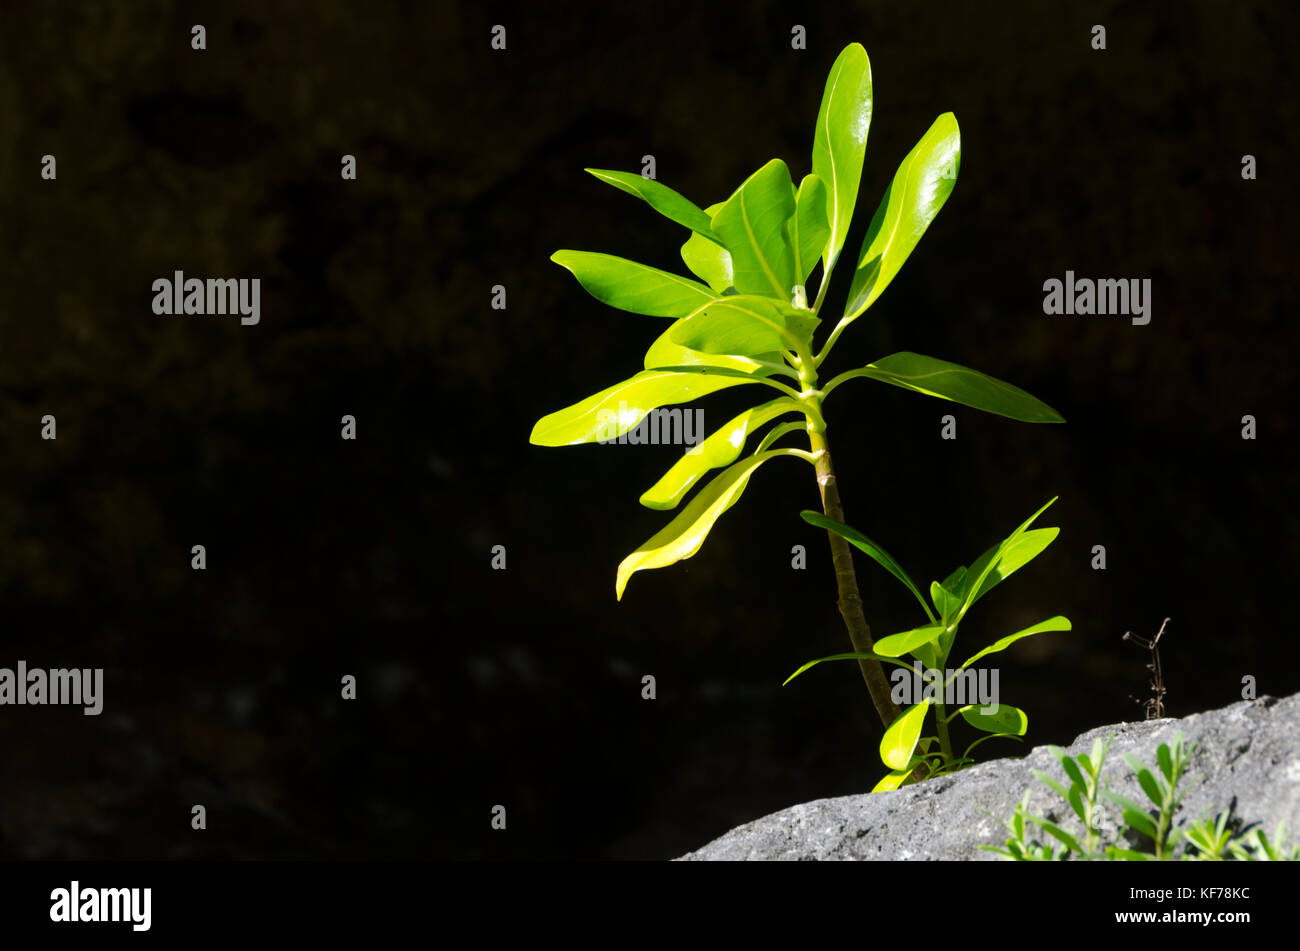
pixel 945 745
pixel 846 579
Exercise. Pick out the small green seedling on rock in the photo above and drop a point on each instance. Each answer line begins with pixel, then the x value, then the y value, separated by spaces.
pixel 1206 839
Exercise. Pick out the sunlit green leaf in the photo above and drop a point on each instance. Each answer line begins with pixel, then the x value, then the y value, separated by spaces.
pixel 896 645
pixel 684 535
pixel 809 228
pixel 854 656
pixel 959 384
pixel 659 197
pixel 1004 719
pixel 840 141
pixel 900 739
pixel 611 412
pixel 751 225
pixel 664 352
pixel 634 287
pixel 1014 554
pixel 708 260
pixel 744 325
pixel 891 781
pixel 1057 623
pixel 987 563
pixel 721 448
pixel 920 187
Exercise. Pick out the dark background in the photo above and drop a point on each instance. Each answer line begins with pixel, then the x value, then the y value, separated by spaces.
pixel 522 687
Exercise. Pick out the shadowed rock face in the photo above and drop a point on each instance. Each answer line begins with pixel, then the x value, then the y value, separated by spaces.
pixel 1247 756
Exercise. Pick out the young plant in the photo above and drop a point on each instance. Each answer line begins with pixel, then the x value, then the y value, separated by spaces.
pixel 1206 840
pixel 932 643
pixel 1161 787
pixel 747 321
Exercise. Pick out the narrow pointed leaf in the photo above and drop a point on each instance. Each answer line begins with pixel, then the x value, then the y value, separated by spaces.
pixel 809 228
pixel 951 381
pixel 744 325
pixel 1054 784
pixel 1015 554
pixel 721 448
pixel 620 408
pixel 1005 719
pixel 987 563
pixel 840 142
pixel 776 432
pixel 683 536
pixel 1057 623
pixel 708 260
pixel 1057 833
pixel 868 548
pixel 900 739
pixel 751 225
pixel 906 642
pixel 637 288
pixel 659 197
pixel 919 189
pixel 821 660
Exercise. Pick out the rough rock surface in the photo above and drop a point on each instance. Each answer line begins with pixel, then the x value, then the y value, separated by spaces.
pixel 1247 756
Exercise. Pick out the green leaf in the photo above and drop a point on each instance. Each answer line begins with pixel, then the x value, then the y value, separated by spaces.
pixel 611 412
pixel 1165 763
pixel 920 187
pixel 959 384
pixel 721 448
pixel 634 287
pixel 1057 623
pixel 1015 553
pixel 684 535
pixel 1141 821
pixel 840 141
pixel 1056 832
pixel 1005 719
pixel 1072 770
pixel 745 325
pixel 945 601
pixel 751 225
pixel 906 642
pixel 900 739
pixel 708 260
pixel 664 352
pixel 869 548
pixel 809 228
pixel 891 781
pixel 987 563
pixel 776 432
pixel 659 197
pixel 1145 779
pixel 822 660
pixel 1054 784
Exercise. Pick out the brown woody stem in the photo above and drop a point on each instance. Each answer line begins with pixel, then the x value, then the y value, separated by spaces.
pixel 846 579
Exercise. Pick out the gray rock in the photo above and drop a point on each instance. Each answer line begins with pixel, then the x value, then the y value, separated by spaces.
pixel 1247 756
